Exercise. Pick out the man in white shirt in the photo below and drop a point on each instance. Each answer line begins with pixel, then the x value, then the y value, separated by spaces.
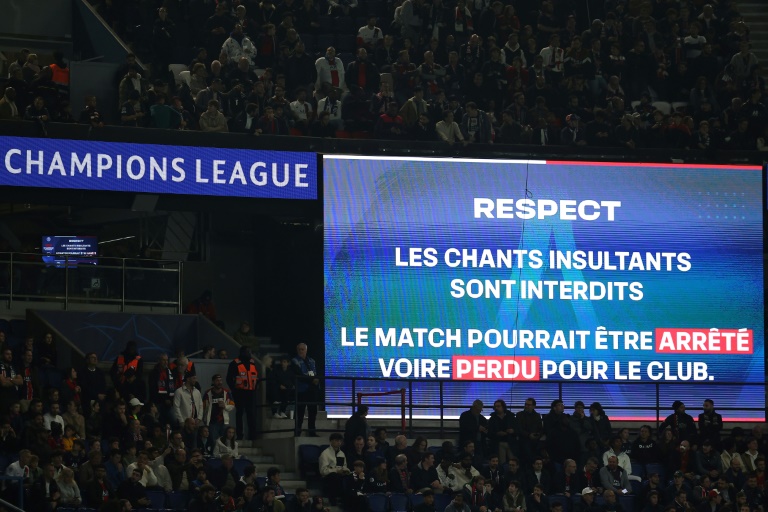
pixel 53 416
pixel 332 105
pixel 20 467
pixel 239 45
pixel 446 473
pixel 330 71
pixel 370 35
pixel 333 467
pixel 465 472
pixel 448 130
pixel 302 111
pixel 187 401
pixel 554 57
pixel 622 457
pixel 148 477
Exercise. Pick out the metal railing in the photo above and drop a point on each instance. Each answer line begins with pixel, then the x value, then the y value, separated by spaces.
pixel 660 409
pixel 112 281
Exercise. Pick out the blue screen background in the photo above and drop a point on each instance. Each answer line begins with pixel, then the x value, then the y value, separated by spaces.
pixel 714 214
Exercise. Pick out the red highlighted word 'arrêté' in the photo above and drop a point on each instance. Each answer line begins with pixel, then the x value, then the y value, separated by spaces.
pixel 704 341
pixel 495 368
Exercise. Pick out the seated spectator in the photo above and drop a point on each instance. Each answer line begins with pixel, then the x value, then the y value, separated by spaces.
pixel 424 129
pixel 70 492
pixel 614 477
pixel 212 120
pixel 331 104
pixel 224 476
pixel 322 127
pixel 303 116
pixel 476 126
pixel 333 466
pixel 133 491
pixel 269 124
pixel 90 115
pixel 390 125
pixel 227 444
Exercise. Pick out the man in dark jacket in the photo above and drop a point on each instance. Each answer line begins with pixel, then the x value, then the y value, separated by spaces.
pixel 356 426
pixel 473 426
pixel 132 490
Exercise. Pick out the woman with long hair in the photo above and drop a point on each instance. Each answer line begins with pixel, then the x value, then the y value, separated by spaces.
pixel 227 444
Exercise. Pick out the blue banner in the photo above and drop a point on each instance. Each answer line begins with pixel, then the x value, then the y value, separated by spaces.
pixel 151 168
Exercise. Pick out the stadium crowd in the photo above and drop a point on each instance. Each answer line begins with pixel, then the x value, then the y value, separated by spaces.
pixel 552 462
pixel 621 73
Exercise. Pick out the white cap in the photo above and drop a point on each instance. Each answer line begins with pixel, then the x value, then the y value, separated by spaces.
pixel 134 402
pixel 587 490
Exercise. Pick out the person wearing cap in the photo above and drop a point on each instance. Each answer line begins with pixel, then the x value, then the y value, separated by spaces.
pixel 713 502
pixel 680 422
pixel 572 133
pixel 587 501
pixel 613 476
pixel 679 484
pixel 188 402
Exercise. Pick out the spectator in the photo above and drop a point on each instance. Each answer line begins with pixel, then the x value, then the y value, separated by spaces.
pixel 242 378
pixel 218 403
pixel 132 490
pixel 743 62
pixel 187 402
pixel 390 125
pixel 37 113
pixel 8 108
pixel 333 466
pixel 362 75
pixel 308 387
pixel 424 130
pixel 369 36
pixel 239 46
pixel 227 444
pixel 330 71
pixel 70 492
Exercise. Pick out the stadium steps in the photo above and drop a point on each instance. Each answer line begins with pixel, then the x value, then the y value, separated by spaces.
pixel 756 18
pixel 262 462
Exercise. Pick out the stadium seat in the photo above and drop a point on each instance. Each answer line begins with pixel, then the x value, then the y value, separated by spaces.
pixel 627 503
pixel 185 77
pixel 442 501
pixel 323 42
pixel 637 487
pixel 656 468
pixel 680 106
pixel 241 464
pixel 344 25
pixel 262 481
pixel 665 107
pixel 176 70
pixel 309 455
pixel 377 503
pixel 638 469
pixel 156 498
pixel 398 503
pixel 635 104
pixel 178 500
pixel 213 465
pixel 5 326
pixel 416 500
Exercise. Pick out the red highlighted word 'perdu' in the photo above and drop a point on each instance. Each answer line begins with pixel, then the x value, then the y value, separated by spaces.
pixel 704 341
pixel 495 368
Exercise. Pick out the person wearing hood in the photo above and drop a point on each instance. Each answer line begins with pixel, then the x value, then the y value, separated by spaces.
pixel 242 379
pixel 239 45
pixel 128 359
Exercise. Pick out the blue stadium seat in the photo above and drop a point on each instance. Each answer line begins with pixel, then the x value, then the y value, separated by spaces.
pixel 262 481
pixel 627 503
pixel 309 455
pixel 637 487
pixel 212 465
pixel 156 499
pixel 323 41
pixel 377 502
pixel 656 468
pixel 638 469
pixel 241 464
pixel 416 499
pixel 398 503
pixel 178 500
pixel 442 501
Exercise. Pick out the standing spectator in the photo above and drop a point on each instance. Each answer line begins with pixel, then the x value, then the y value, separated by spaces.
pixel 90 115
pixel 369 36
pixel 680 422
pixel 129 358
pixel 163 43
pixel 218 404
pixel 162 387
pixel 242 379
pixel 9 380
pixel 31 387
pixel 476 126
pixel 8 108
pixel 473 427
pixel 187 402
pixel 239 46
pixel 710 424
pixel 356 426
pixel 93 383
pixel 308 387
pixel 330 71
